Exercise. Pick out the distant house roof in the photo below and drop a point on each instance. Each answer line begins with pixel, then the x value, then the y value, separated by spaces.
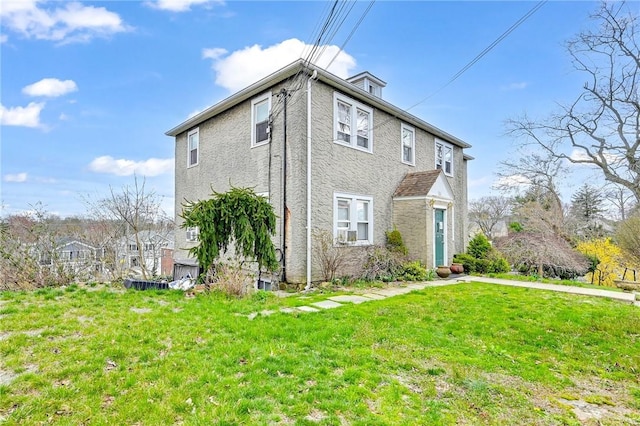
pixel 417 184
pixel 67 241
pixel 322 75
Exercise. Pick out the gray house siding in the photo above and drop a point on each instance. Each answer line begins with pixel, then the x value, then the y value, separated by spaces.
pixel 342 169
pixel 226 159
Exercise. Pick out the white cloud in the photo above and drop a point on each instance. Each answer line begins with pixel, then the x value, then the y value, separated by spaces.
pixel 245 66
pixel 580 155
pixel 513 181
pixel 122 167
pixel 73 22
pixel 18 177
pixel 28 116
pixel 50 87
pixel 214 53
pixel 3 38
pixel 180 5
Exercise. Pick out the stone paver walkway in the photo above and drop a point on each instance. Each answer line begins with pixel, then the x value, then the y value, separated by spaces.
pixel 379 294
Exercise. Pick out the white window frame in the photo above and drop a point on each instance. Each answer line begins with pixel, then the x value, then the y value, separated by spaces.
pixel 443 166
pixel 195 131
pixel 254 104
pixel 264 194
pixel 192 234
pixel 355 106
pixel 339 233
pixel 403 127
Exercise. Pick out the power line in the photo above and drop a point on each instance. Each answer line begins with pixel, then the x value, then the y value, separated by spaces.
pixel 483 53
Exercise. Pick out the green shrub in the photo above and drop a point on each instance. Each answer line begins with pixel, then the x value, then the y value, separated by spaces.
pixel 515 227
pixel 468 261
pixel 479 246
pixel 395 242
pixel 483 266
pixel 414 271
pixel 499 265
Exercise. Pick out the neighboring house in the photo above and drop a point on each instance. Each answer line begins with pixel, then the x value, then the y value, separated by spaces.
pixel 77 257
pixel 155 247
pixel 332 155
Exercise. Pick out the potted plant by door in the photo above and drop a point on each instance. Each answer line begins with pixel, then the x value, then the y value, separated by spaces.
pixel 443 271
pixel 457 268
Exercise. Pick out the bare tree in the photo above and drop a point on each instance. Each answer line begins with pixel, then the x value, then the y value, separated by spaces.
pixel 134 214
pixel 28 255
pixel 326 254
pixel 487 212
pixel 539 207
pixel 602 126
pixel 621 199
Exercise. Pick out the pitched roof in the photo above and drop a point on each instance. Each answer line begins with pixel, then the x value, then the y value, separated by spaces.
pixel 301 66
pixel 417 184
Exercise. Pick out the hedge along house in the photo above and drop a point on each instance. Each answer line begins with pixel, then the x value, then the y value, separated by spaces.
pixel 331 155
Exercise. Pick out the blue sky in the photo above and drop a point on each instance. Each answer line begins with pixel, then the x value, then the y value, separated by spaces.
pixel 89 88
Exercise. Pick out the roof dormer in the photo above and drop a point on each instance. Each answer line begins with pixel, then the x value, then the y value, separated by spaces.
pixel 368 82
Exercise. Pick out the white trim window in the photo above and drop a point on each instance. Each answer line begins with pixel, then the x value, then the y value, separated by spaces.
pixel 353 123
pixel 192 234
pixel 444 157
pixel 408 136
pixel 193 147
pixel 260 111
pixel 353 219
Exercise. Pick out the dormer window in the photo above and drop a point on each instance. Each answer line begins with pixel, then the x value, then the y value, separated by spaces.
pixel 369 83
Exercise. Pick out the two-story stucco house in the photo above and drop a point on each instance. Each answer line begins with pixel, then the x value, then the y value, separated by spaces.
pixel 332 155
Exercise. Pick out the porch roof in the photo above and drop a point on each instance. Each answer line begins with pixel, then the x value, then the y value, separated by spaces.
pixel 417 184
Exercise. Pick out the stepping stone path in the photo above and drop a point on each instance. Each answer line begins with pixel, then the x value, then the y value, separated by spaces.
pixel 338 301
pixel 383 293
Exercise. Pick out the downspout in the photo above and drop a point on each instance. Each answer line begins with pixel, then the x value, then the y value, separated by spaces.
pixel 313 77
pixel 284 93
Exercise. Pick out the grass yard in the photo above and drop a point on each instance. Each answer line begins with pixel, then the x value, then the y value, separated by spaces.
pixel 463 354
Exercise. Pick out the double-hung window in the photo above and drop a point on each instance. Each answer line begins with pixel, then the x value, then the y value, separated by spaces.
pixel 353 219
pixel 444 157
pixel 353 123
pixel 260 110
pixel 408 136
pixel 193 147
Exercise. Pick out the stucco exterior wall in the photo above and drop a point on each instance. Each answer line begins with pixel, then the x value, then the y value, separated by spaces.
pixel 227 159
pixel 410 218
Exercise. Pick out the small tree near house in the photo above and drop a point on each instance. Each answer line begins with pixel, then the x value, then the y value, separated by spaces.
pixel 326 254
pixel 238 217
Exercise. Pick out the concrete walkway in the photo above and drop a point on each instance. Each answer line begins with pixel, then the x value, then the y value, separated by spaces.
pixel 378 294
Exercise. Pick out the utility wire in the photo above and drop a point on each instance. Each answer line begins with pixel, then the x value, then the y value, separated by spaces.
pixel 483 53
pixel 352 32
pixel 335 20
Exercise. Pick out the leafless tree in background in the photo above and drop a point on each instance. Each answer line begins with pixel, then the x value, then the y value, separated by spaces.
pixel 601 127
pixel 488 212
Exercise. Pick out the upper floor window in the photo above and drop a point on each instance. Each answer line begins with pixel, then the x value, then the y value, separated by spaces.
pixel 260 110
pixel 408 136
pixel 353 123
pixel 444 157
pixel 193 146
pixel 353 219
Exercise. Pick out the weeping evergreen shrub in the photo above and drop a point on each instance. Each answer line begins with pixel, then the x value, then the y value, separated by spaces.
pixel 239 216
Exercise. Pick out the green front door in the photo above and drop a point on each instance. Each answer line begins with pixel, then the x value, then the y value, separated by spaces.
pixel 439 236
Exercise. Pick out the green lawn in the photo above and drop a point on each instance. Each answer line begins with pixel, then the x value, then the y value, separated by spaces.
pixel 464 354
